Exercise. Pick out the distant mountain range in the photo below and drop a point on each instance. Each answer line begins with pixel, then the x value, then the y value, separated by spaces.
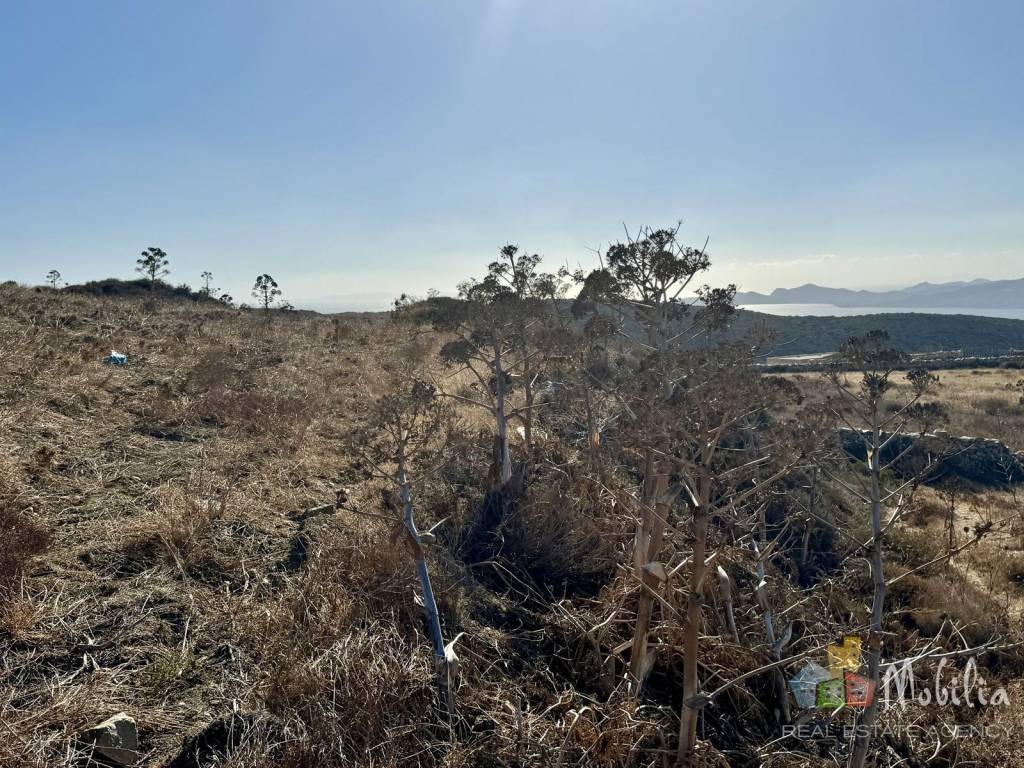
pixel 975 294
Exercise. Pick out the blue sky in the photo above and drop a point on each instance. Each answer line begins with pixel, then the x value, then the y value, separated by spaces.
pixel 356 151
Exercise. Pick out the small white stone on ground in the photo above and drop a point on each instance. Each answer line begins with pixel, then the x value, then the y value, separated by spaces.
pixel 116 738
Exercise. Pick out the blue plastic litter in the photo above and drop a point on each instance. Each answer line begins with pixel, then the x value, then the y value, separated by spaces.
pixel 116 358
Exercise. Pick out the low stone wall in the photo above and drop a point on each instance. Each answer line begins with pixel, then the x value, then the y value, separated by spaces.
pixel 980 459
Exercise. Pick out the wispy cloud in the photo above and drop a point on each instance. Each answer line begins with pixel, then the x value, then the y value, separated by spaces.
pixel 797 261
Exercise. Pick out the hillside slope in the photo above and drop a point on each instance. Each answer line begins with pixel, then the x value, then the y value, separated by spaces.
pixel 798 335
pixel 199 578
pixel 909 331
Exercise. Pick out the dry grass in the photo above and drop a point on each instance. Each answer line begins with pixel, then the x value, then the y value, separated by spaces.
pixel 181 586
pixel 24 539
pixel 981 402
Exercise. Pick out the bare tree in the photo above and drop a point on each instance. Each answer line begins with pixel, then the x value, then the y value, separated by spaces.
pixel 207 276
pixel 536 327
pixel 403 437
pixel 688 402
pixel 496 324
pixel 584 404
pixel 53 278
pixel 862 376
pixel 642 281
pixel 717 401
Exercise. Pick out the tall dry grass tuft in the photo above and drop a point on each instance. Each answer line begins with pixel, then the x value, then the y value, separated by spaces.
pixel 352 676
pixel 23 539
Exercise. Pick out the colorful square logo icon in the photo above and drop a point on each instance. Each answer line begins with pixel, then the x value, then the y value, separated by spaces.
pixel 805 684
pixel 844 657
pixel 840 685
pixel 831 694
pixel 859 690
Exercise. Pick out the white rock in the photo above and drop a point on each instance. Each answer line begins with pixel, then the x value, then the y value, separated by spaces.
pixel 116 738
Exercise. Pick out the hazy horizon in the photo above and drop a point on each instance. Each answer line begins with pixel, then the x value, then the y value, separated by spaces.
pixel 383 300
pixel 358 152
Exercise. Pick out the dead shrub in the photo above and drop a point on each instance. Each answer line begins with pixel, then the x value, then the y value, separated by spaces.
pixel 212 372
pixel 558 535
pixel 219 392
pixel 932 602
pixel 353 676
pixel 349 580
pixel 927 508
pixel 183 522
pixel 364 696
pixel 255 413
pixel 23 540
pixel 991 406
pixel 914 547
pixel 250 412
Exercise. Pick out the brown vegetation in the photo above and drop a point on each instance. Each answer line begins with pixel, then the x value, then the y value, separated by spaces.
pixel 983 402
pixel 175 548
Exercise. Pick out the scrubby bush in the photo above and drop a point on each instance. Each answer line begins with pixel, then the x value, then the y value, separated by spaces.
pixel 22 539
pixel 991 406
